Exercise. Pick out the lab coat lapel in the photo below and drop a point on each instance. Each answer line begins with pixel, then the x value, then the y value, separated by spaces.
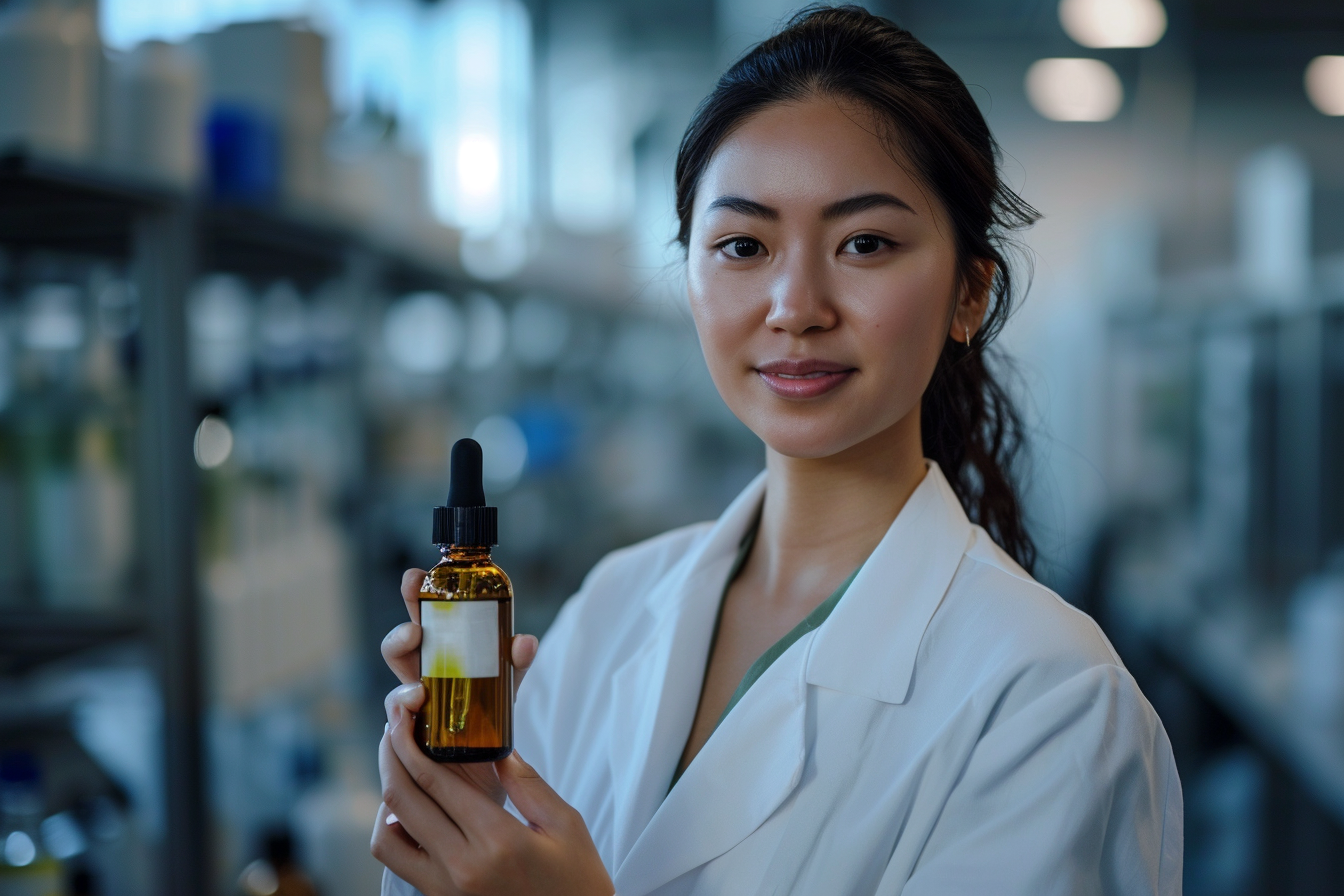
pixel 869 644
pixel 747 768
pixel 656 692
pixel 755 759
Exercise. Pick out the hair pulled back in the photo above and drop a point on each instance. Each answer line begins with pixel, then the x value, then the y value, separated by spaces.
pixel 969 425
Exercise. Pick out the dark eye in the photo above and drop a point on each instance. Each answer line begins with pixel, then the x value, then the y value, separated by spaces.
pixel 866 244
pixel 743 247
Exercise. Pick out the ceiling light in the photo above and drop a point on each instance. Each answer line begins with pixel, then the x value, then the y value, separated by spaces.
pixel 1074 89
pixel 1113 23
pixel 481 62
pixel 1325 84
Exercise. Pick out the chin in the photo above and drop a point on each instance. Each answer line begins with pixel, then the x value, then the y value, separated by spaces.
pixel 809 440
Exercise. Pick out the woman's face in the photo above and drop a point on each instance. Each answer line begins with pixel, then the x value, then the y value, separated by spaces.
pixel 822 279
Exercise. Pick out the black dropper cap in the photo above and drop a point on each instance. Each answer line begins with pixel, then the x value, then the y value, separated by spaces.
pixel 466 521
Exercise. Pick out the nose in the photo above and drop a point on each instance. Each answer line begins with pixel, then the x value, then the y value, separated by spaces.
pixel 800 298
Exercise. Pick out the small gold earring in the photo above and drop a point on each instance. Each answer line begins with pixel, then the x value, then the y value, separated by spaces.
pixel 968 337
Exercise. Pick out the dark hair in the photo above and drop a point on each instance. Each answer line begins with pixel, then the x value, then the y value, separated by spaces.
pixel 969 424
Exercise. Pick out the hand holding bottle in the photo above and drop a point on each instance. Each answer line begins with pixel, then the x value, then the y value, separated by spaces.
pixel 401 651
pixel 449 838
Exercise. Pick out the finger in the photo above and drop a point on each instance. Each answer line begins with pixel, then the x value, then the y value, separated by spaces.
pixel 524 650
pixel 416 812
pixel 411 582
pixel 533 797
pixel 391 845
pixel 401 651
pixel 472 810
pixel 408 696
pixel 482 775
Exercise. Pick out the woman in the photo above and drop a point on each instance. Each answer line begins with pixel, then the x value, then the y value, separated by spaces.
pixel 844 685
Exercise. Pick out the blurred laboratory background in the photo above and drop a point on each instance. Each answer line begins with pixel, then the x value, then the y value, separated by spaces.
pixel 263 261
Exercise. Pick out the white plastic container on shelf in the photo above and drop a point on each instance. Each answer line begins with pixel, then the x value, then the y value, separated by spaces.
pixel 220 323
pixel 50 59
pixel 277 69
pixel 379 185
pixel 80 513
pixel 83 526
pixel 333 822
pixel 1316 637
pixel 155 113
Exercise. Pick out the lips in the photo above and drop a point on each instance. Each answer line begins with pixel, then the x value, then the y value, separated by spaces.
pixel 805 378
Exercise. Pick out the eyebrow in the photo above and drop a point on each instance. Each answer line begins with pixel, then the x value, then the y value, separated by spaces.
pixel 843 208
pixel 856 204
pixel 743 206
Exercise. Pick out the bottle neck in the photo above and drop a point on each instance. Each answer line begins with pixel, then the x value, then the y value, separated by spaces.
pixel 464 552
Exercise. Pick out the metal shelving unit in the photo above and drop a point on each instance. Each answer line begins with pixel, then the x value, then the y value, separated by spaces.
pixel 164 239
pixel 29 638
pixel 1230 419
pixel 56 208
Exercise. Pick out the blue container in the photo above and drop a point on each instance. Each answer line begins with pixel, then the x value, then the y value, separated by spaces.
pixel 243 148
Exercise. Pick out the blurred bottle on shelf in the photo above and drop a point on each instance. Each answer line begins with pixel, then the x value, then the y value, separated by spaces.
pixel 153 121
pixel 1274 226
pixel 52 332
pixel 220 317
pixel 332 825
pixel 50 60
pixel 276 580
pixel 64 444
pixel 84 520
pixel 26 867
pixel 282 330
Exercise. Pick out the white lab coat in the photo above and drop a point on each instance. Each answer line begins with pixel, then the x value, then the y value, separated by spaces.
pixel 953 728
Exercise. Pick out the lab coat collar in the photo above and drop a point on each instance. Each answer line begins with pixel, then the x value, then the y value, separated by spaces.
pixel 755 759
pixel 720 545
pixel 868 644
pixel 749 766
pixel 652 709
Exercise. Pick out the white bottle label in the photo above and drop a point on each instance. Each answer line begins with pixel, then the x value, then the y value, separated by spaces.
pixel 460 638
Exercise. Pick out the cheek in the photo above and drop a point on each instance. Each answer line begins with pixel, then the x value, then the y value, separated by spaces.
pixel 722 315
pixel 905 324
pixel 914 304
pixel 911 317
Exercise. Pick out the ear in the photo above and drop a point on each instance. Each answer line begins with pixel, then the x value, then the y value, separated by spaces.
pixel 972 302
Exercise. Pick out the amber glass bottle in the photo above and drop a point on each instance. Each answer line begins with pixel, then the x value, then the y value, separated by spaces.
pixel 466 619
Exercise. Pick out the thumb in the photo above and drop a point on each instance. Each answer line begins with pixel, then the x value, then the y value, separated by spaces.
pixel 532 796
